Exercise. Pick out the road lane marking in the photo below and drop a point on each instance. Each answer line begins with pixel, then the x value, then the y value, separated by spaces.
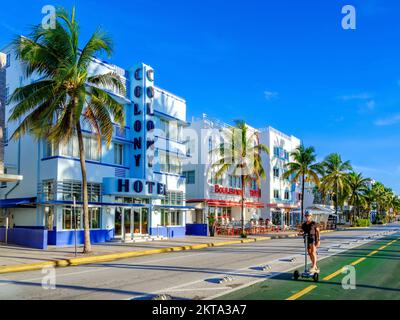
pixel 372 253
pixel 301 293
pixel 246 285
pixel 337 272
pixel 357 262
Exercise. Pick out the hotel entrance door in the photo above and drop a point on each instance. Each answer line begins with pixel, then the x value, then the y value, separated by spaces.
pixel 140 221
pixel 131 222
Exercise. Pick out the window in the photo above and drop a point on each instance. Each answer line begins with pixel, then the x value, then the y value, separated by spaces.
pixel 171 218
pixel 276 194
pixel 71 189
pixel 287 195
pixel 286 155
pixel 276 151
pixel 170 163
pixel 254 185
pixel 48 190
pixel 235 182
pixel 222 147
pixel 190 147
pixel 190 177
pixel 7 93
pixel 215 180
pixel 95 218
pixel 118 154
pixel 69 214
pixel 8 60
pixel 173 199
pixel 276 172
pixel 90 145
pixel 48 149
pixel 172 129
pixel 210 144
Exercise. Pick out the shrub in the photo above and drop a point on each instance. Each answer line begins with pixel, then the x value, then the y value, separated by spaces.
pixel 362 223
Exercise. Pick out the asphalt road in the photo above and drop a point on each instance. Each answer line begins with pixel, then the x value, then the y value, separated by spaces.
pixel 182 275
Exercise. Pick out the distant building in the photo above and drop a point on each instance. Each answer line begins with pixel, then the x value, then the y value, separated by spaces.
pixel 213 196
pixel 4 92
pixel 280 196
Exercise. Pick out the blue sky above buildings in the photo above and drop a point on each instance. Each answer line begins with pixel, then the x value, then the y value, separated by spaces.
pixel 283 63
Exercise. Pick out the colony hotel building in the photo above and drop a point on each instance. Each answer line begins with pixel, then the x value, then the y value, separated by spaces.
pixel 136 188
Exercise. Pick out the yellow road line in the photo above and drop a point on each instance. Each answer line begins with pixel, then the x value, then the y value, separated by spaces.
pixel 358 261
pixel 332 275
pixel 372 253
pixel 301 293
pixel 337 272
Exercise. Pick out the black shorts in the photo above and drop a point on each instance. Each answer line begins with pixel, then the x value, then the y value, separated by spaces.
pixel 311 241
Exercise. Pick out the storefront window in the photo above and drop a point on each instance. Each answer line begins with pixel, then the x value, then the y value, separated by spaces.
pixel 171 218
pixel 69 214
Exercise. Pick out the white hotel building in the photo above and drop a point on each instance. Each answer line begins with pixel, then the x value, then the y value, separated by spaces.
pixel 136 188
pixel 282 199
pixel 277 200
pixel 211 196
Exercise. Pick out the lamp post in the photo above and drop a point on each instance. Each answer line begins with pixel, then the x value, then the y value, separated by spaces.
pixel 75 224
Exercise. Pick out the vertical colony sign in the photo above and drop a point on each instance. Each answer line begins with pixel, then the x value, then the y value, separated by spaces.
pixel 142 87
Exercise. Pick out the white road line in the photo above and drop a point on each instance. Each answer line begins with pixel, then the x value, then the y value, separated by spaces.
pixel 171 289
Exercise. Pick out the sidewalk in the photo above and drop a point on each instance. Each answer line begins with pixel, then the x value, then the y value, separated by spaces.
pixel 14 258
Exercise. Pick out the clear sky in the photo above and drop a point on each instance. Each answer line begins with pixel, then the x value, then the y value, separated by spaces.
pixel 286 63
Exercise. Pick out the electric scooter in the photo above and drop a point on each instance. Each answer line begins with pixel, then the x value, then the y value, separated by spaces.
pixel 306 274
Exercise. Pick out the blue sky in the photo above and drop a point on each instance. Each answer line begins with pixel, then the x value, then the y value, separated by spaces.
pixel 283 63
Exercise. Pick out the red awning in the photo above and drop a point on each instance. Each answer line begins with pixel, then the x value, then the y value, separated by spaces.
pixel 227 203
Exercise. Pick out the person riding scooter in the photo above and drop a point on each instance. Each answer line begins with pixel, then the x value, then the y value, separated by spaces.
pixel 311 231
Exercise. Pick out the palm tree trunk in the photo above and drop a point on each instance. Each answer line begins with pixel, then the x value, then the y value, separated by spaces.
pixel 87 245
pixel 303 188
pixel 242 213
pixel 337 200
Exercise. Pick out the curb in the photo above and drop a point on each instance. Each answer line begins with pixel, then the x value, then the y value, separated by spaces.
pixel 130 254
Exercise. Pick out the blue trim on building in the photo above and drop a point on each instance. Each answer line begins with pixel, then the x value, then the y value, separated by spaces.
pixel 31 238
pixel 167 116
pixel 169 174
pixel 15 203
pixel 173 207
pixel 197 229
pixel 87 161
pixel 67 238
pixel 169 232
pixel 106 204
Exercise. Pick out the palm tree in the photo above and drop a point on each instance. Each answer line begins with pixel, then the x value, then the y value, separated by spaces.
pixel 52 108
pixel 378 196
pixel 240 155
pixel 303 168
pixel 334 181
pixel 358 189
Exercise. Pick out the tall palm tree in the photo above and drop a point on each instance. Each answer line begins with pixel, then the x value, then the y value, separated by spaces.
pixel 241 157
pixel 358 189
pixel 334 181
pixel 52 108
pixel 303 168
pixel 378 196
